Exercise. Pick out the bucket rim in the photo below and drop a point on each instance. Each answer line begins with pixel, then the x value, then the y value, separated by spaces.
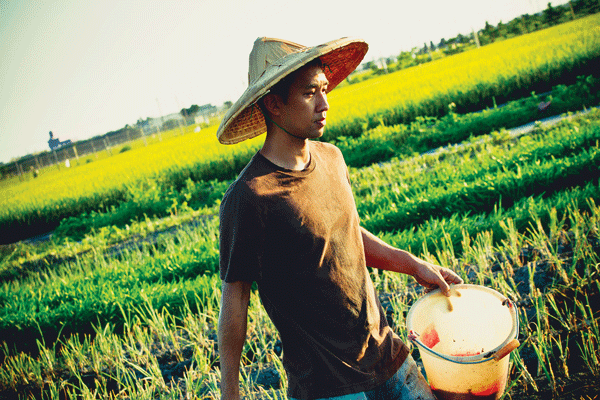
pixel 477 358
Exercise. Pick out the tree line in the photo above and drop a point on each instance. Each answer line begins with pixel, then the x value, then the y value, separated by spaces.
pixel 522 25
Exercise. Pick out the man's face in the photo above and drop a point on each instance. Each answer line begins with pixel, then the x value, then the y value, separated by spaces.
pixel 304 113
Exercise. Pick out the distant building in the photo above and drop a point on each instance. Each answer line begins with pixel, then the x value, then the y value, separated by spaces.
pixel 200 119
pixel 55 143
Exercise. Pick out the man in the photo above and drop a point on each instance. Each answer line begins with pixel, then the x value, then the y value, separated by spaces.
pixel 289 223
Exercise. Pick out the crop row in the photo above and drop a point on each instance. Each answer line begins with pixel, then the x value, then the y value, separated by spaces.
pixel 37 206
pixel 480 186
pixel 172 356
pixel 97 290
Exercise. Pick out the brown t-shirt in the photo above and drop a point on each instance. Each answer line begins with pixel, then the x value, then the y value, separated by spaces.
pixel 297 234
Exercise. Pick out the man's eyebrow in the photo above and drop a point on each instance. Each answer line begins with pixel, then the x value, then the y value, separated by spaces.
pixel 316 85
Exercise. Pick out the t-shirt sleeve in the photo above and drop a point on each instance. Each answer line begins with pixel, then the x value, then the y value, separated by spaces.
pixel 239 238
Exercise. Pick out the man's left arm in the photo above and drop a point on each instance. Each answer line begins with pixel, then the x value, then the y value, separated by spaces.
pixel 381 255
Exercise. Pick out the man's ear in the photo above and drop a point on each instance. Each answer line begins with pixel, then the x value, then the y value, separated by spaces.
pixel 272 103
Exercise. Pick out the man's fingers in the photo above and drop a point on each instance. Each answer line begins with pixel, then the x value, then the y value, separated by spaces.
pixel 439 277
pixel 448 277
pixel 451 276
pixel 445 288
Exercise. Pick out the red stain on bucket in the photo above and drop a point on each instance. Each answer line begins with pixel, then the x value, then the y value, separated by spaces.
pixel 445 395
pixel 430 337
pixel 493 392
pixel 482 321
pixel 467 354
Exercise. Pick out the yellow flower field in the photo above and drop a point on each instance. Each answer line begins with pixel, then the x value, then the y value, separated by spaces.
pixel 472 76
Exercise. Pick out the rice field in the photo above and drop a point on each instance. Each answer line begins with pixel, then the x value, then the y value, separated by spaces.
pixel 471 81
pixel 129 310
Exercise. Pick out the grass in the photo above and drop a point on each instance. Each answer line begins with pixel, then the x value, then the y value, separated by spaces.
pixel 163 356
pixel 141 323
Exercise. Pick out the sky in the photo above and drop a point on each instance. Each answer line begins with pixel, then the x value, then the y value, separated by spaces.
pixel 85 68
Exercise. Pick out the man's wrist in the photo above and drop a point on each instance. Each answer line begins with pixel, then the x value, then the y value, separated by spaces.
pixel 407 263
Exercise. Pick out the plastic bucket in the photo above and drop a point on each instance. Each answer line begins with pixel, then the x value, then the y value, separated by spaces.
pixel 464 339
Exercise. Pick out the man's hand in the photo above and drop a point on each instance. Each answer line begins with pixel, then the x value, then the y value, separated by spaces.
pixel 432 276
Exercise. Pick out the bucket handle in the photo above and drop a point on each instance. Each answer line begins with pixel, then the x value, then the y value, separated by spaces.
pixel 493 355
pixel 503 352
pixel 413 337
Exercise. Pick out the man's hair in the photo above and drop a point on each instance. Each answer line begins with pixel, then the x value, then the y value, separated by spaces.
pixel 282 88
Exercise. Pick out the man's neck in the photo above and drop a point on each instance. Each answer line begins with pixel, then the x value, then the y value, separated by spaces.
pixel 286 151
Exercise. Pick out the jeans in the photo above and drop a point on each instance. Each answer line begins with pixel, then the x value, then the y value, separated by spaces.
pixel 407 384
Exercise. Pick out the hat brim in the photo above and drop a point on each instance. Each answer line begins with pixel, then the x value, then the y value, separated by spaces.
pixel 244 120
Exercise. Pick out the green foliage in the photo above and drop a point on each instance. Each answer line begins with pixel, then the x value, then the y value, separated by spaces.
pixel 147 199
pixel 479 181
pixel 471 190
pixel 472 207
pixel 94 289
pixel 384 142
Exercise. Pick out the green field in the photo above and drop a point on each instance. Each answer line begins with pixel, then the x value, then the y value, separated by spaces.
pixel 122 301
pixel 472 80
pixel 542 250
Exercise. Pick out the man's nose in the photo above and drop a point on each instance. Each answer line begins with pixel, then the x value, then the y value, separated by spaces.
pixel 322 104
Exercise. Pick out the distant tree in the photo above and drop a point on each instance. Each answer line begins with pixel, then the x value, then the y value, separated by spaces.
pixel 585 7
pixel 142 122
pixel 532 22
pixel 489 34
pixel 170 124
pixel 194 108
pixel 227 105
pixel 372 65
pixel 517 26
pixel 406 59
pixel 551 15
pixel 501 30
pixel 189 112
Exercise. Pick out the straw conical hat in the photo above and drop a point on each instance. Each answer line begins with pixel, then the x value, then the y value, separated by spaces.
pixel 273 59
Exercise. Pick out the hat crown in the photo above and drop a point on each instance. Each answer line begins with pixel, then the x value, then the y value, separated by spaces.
pixel 268 52
pixel 271 60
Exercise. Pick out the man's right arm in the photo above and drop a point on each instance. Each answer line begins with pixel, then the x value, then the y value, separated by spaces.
pixel 233 319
